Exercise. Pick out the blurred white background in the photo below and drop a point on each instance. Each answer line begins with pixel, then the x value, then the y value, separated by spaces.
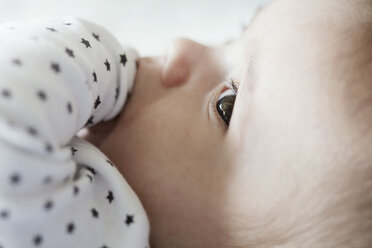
pixel 148 25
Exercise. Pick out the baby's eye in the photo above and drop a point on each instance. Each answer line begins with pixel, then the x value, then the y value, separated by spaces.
pixel 225 105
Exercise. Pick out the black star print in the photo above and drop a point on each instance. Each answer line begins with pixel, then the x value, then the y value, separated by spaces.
pixel 51 29
pixel 123 59
pixel 73 150
pixel 41 94
pixel 48 205
pixel 69 108
pixel 116 94
pixel 32 131
pixel 97 102
pixel 94 76
pixel 47 180
pixel 96 36
pixel 70 52
pixel 91 169
pixel 95 213
pixel 86 43
pixel 76 190
pixel 55 67
pixel 38 240
pixel 6 93
pixel 129 220
pixel 109 162
pixel 107 64
pixel 90 121
pixel 17 62
pixel 70 228
pixel 110 196
pixel 90 178
pixel 15 178
pixel 4 214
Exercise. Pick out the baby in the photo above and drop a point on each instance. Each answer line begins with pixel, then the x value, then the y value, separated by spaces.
pixel 260 142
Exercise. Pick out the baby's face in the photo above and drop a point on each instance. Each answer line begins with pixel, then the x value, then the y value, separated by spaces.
pixel 203 182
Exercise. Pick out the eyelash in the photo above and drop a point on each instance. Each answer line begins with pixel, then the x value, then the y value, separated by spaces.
pixel 230 84
pixel 234 85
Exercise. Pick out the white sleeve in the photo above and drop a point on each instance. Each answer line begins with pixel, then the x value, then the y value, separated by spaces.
pixel 57 190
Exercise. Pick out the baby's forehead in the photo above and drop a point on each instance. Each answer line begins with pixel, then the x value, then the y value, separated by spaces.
pixel 312 47
pixel 326 34
pixel 295 15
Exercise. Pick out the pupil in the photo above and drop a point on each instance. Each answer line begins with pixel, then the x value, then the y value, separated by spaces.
pixel 225 107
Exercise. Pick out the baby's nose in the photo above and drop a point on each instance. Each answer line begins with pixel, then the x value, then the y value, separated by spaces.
pixel 180 59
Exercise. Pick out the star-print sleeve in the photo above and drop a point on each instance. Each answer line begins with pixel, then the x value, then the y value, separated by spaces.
pixel 57 190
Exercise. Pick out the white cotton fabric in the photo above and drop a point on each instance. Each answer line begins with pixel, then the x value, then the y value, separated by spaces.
pixel 57 190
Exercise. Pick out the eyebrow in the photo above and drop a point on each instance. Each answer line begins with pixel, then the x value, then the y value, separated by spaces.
pixel 249 75
pixel 248 84
pixel 249 78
